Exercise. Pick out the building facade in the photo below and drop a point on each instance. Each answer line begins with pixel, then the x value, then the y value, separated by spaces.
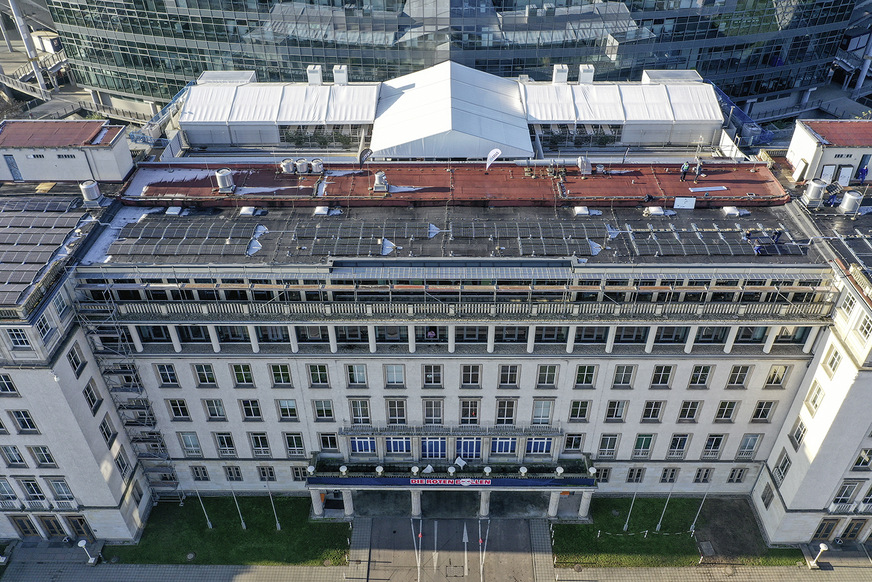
pixel 752 50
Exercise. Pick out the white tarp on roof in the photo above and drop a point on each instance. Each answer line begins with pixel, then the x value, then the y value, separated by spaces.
pixel 649 103
pixel 694 102
pixel 450 110
pixel 280 103
pixel 600 103
pixel 549 103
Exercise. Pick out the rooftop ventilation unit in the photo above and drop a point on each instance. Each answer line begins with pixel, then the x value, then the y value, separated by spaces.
pixel 314 74
pixel 340 74
pixel 586 73
pixel 560 76
pixel 225 180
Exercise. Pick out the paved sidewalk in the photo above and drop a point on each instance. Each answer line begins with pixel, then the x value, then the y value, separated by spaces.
pixel 540 545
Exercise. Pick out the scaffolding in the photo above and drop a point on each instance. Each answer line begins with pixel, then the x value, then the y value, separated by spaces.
pixel 110 342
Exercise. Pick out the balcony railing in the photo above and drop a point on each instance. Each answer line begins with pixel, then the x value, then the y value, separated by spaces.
pixel 865 507
pixel 675 454
pixel 10 505
pixel 66 505
pixel 842 507
pixel 142 310
pixel 37 504
pixel 711 455
pixel 519 430
pixel 745 455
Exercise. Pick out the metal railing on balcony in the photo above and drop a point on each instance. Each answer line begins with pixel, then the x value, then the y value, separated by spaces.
pixel 66 505
pixel 166 310
pixel 711 455
pixel 745 455
pixel 10 505
pixel 842 507
pixel 37 504
pixel 675 454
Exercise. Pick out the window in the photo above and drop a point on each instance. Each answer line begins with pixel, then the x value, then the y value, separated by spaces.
pixel 689 410
pixel 298 473
pixel 266 473
pixel 845 492
pixel 323 410
pixel 608 446
pixel 65 156
pixel 166 373
pixel 538 445
pixel 433 448
pixel 615 410
pixel 814 398
pixel 356 375
pixel 713 445
pixel 503 445
pixel 242 375
pixel 294 444
pixel 432 412
pixel 363 445
pixel 579 410
pixel 542 412
pixel 468 412
pixel 359 411
pixel 122 463
pixel 726 411
pixel 432 376
pixel 395 376
pixel 738 376
pixel 505 412
pixel 178 409
pixel 669 475
pixel 74 357
pixel 747 447
pixel 775 378
pixel 214 409
pixel 703 475
pixel 573 443
pixel 90 393
pixel 470 376
pixel 190 444
pixel 199 473
pixel 635 474
pixel 23 421
pixel 468 447
pixel 737 475
pixel 585 376
pixel 510 334
pixel 623 376
pixel 43 328
pixel 287 408
pixel 509 376
pixel 865 328
pixel 42 456
pixel 32 490
pixel 233 473
pixel 642 448
pixel 677 446
pixel 763 411
pixel 61 490
pixel 107 431
pixel 652 411
pixel 699 377
pixel 205 374
pixel 782 466
pixel 318 375
pixel 603 474
pixel 832 361
pixel 396 412
pixel 547 377
pixel 767 495
pixel 661 377
pixel 259 444
pixel 797 434
pixel 225 445
pixel 12 456
pixel 863 460
pixel 18 338
pixel 398 445
pixel 60 305
pixel 848 304
pixel 281 374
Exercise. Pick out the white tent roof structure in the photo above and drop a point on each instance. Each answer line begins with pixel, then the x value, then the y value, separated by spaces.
pixel 450 110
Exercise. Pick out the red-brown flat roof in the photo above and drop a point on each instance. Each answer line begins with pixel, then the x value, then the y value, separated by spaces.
pixel 47 134
pixel 848 133
pixel 723 184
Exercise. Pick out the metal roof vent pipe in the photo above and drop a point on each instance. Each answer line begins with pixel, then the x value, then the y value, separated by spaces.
pixel 288 167
pixel 225 180
pixel 381 182
pixel 91 193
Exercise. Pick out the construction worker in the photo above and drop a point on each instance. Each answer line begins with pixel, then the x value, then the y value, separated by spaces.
pixel 684 168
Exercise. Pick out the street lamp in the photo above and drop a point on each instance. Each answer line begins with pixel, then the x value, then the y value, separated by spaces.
pixel 93 559
pixel 823 548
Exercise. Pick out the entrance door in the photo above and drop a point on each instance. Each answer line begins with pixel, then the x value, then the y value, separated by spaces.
pixel 13 167
pixel 24 527
pixel 825 530
pixel 853 530
pixel 845 173
pixel 828 172
pixel 52 526
pixel 80 527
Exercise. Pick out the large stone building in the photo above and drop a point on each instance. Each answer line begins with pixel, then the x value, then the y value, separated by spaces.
pixel 253 329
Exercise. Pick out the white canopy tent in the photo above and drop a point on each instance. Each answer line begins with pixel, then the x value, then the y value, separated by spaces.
pixel 450 110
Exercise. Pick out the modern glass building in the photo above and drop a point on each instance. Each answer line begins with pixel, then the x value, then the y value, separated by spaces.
pixel 753 49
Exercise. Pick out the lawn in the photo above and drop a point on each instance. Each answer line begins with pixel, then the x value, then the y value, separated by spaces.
pixel 727 523
pixel 172 532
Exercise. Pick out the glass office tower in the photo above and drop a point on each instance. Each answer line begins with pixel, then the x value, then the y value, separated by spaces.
pixel 760 49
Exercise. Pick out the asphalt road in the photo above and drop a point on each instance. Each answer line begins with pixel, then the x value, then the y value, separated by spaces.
pixel 432 550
